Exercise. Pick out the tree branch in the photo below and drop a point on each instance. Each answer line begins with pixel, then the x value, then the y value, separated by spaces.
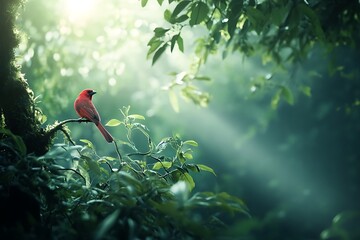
pixel 59 126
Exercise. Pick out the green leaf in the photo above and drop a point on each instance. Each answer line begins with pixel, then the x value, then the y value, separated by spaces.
pixel 136 116
pixel 202 78
pixel 163 164
pixel 257 18
pixel 152 40
pixel 232 203
pixel 191 142
pixel 181 157
pixel 193 167
pixel 305 90
pixel 254 14
pixel 222 201
pixel 174 101
pixel 235 10
pixel 180 43
pixel 205 168
pixel 85 175
pixel 160 2
pixel 278 15
pixel 129 180
pixel 160 32
pixel 287 95
pixel 42 118
pixel 168 16
pixel 195 95
pixel 284 93
pixel 314 19
pixel 113 123
pixel 180 7
pixel 153 47
pixel 173 42
pixel 188 180
pixel 276 99
pixel 107 224
pixel 158 53
pixel 88 143
pixel 109 158
pixel 93 165
pixel 181 19
pixel 143 3
pixel 198 13
pixel 188 155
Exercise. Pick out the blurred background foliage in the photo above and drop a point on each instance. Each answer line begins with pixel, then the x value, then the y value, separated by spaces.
pixel 282 135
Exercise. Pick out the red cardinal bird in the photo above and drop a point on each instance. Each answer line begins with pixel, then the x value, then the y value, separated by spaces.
pixel 86 109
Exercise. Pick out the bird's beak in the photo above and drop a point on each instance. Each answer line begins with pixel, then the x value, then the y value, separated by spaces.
pixel 92 93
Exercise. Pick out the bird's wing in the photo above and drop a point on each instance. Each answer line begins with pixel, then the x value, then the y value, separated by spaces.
pixel 88 110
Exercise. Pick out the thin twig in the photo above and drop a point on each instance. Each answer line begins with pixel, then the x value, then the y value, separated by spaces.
pixel 70 169
pixel 68 136
pixel 118 152
pixel 168 173
pixel 107 163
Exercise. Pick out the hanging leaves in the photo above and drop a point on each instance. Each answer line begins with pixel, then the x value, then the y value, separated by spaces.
pixel 199 13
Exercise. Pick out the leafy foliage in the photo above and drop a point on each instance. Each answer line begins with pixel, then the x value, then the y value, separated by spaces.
pixel 282 32
pixel 273 26
pixel 78 194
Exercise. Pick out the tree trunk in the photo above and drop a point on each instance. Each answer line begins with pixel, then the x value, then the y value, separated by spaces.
pixel 17 108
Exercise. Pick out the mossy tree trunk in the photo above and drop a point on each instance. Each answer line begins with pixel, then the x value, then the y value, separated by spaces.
pixel 17 108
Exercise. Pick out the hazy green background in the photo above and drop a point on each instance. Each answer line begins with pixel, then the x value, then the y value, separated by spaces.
pixel 296 166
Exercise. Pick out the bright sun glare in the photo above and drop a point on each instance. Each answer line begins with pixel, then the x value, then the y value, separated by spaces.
pixel 79 10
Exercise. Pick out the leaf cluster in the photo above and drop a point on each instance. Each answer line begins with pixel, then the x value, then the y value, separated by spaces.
pixel 290 27
pixel 75 193
pixel 282 32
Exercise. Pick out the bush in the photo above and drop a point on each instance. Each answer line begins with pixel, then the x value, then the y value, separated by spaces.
pixel 73 193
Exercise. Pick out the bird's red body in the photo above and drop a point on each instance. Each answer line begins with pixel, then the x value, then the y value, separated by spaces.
pixel 86 109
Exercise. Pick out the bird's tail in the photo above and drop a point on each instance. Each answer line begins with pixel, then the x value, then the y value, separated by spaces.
pixel 105 133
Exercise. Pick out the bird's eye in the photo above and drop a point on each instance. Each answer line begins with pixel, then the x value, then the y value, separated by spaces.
pixel 89 91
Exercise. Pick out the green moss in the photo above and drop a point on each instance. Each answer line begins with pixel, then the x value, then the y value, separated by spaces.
pixel 16 99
